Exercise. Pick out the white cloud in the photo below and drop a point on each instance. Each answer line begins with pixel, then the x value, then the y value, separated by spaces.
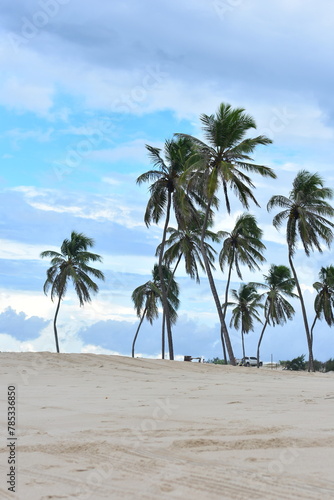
pixel 22 96
pixel 17 250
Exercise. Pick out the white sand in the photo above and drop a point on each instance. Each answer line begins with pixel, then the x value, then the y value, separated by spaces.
pixel 93 426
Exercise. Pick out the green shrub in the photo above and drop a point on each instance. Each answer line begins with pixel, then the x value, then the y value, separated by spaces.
pixel 318 366
pixel 217 361
pixel 329 365
pixel 296 364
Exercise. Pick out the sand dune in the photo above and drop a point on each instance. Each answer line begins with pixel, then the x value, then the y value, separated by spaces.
pixel 93 426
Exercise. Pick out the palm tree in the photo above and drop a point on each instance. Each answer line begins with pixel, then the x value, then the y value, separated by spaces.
pixel 225 159
pixel 324 301
pixel 247 301
pixel 71 264
pixel 146 297
pixel 279 284
pixel 242 246
pixel 167 191
pixel 305 211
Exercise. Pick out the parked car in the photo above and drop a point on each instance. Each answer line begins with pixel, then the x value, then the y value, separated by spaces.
pixel 249 361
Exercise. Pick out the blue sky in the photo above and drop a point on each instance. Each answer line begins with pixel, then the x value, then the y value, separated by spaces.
pixel 83 88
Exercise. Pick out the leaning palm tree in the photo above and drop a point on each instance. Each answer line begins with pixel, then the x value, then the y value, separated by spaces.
pixel 324 300
pixel 279 286
pixel 167 192
pixel 147 296
pixel 305 212
pixel 242 246
pixel 225 163
pixel 72 264
pixel 247 301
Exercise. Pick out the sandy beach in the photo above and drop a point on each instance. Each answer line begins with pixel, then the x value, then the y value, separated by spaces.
pixel 95 426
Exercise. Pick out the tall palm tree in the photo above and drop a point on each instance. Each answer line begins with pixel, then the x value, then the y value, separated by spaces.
pixel 279 284
pixel 305 212
pixel 324 300
pixel 225 159
pixel 167 191
pixel 72 264
pixel 147 296
pixel 247 301
pixel 242 246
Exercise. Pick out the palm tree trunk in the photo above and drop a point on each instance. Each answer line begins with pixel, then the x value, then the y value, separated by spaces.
pixel 163 335
pixel 307 330
pixel 54 324
pixel 260 340
pixel 163 286
pixel 226 299
pixel 228 285
pixel 163 314
pixel 136 335
pixel 243 344
pixel 313 324
pixel 223 330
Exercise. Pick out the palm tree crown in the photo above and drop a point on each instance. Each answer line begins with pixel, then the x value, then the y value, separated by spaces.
pixel 165 178
pixel 243 245
pixel 226 155
pixel 324 300
pixel 247 301
pixel 186 242
pixel 305 212
pixel 279 284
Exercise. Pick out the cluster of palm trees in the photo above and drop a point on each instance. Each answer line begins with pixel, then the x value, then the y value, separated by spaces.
pixel 189 179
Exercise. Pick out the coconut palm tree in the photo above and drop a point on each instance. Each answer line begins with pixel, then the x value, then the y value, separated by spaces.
pixel 147 296
pixel 305 211
pixel 279 286
pixel 242 246
pixel 72 264
pixel 247 301
pixel 324 300
pixel 225 163
pixel 167 191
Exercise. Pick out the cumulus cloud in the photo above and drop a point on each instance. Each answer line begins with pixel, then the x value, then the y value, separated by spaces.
pixel 19 326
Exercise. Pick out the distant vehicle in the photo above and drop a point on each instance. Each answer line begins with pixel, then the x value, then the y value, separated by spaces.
pixel 249 361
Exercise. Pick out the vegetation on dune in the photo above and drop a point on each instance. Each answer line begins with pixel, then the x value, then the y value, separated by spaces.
pixel 299 364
